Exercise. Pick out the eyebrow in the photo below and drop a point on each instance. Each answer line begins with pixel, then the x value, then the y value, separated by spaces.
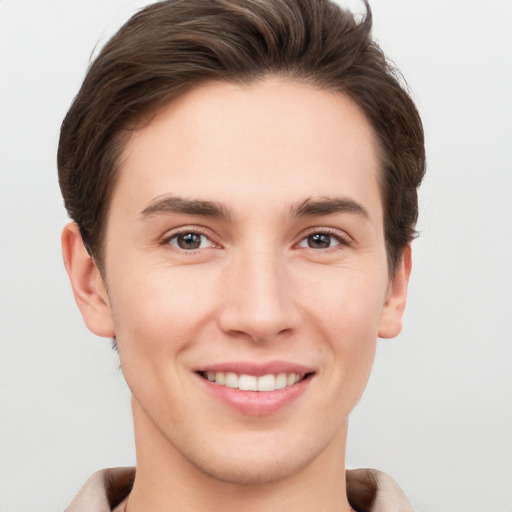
pixel 307 208
pixel 172 204
pixel 328 206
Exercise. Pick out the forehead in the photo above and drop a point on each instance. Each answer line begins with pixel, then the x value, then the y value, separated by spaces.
pixel 278 140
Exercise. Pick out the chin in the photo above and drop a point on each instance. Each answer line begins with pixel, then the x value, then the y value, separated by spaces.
pixel 254 459
pixel 250 470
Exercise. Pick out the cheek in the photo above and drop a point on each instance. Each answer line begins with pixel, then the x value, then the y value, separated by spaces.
pixel 158 317
pixel 159 310
pixel 352 336
pixel 346 300
pixel 351 332
pixel 346 311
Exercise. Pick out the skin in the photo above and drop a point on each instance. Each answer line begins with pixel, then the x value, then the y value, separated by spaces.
pixel 258 288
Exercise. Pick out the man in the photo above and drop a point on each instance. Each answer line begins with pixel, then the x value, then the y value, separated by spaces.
pixel 242 179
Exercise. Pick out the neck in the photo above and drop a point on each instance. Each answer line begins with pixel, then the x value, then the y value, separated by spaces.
pixel 166 480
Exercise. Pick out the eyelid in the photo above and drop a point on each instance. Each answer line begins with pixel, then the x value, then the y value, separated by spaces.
pixel 341 236
pixel 182 230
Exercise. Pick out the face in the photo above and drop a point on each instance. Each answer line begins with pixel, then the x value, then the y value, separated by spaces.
pixel 246 276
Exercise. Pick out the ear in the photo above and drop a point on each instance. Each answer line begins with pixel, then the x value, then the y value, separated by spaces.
pixel 88 286
pixel 396 298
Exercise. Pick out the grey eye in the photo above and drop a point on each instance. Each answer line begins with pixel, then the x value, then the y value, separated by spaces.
pixel 190 241
pixel 319 241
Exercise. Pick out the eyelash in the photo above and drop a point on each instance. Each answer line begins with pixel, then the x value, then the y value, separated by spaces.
pixel 342 239
pixel 188 231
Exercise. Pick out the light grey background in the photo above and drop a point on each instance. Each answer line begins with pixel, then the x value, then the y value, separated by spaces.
pixel 437 414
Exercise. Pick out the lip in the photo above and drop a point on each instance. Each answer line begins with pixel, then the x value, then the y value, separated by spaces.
pixel 257 369
pixel 257 403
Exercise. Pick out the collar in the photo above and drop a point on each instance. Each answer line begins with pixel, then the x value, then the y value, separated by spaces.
pixel 368 490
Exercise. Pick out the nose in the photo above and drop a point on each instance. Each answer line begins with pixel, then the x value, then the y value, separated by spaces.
pixel 258 298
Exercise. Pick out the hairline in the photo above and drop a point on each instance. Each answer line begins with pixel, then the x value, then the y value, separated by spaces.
pixel 132 126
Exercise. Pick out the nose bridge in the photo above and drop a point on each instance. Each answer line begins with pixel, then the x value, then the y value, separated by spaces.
pixel 259 300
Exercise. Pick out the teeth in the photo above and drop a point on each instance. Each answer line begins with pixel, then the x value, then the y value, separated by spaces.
pixel 269 382
pixel 231 380
pixel 281 380
pixel 248 383
pixel 291 379
pixel 266 383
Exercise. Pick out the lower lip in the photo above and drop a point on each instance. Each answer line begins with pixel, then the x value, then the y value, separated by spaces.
pixel 257 403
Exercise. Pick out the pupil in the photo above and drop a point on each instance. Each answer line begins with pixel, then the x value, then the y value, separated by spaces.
pixel 189 241
pixel 319 240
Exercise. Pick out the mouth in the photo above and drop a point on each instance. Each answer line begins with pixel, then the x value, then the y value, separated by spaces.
pixel 263 383
pixel 256 390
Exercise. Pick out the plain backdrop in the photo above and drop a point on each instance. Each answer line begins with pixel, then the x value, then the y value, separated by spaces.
pixel 437 413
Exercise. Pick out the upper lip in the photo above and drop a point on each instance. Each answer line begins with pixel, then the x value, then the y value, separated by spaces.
pixel 257 369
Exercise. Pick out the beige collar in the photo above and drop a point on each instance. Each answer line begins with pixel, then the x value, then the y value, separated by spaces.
pixel 368 490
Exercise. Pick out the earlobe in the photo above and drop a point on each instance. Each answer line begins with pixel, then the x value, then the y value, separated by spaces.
pixel 394 307
pixel 88 286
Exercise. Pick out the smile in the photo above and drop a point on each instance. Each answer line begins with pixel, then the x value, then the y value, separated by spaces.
pixel 256 390
pixel 245 382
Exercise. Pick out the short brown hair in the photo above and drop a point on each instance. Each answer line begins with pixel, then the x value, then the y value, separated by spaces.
pixel 175 45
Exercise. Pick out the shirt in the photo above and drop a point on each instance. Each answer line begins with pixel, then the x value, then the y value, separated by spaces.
pixel 368 490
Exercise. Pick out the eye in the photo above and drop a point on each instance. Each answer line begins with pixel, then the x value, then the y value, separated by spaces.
pixel 190 241
pixel 321 240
